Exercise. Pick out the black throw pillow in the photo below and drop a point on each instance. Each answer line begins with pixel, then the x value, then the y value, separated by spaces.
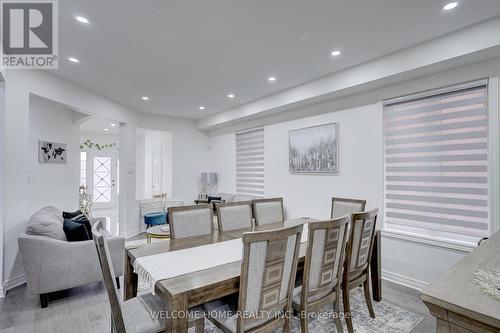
pixel 70 215
pixel 214 198
pixel 82 219
pixel 75 232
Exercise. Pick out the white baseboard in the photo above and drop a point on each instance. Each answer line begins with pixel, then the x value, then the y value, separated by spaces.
pixel 404 280
pixel 12 283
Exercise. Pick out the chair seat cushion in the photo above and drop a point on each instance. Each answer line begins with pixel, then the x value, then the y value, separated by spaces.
pixel 297 292
pixel 155 218
pixel 223 311
pixel 146 313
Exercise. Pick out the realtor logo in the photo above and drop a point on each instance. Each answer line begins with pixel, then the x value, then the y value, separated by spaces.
pixel 29 34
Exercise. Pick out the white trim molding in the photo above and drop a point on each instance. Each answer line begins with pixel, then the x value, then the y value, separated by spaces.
pixel 404 280
pixel 494 153
pixel 12 283
pixel 428 240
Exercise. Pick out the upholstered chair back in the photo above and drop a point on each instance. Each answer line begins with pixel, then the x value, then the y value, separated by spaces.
pixel 324 258
pixel 268 211
pixel 151 206
pixel 360 244
pixel 268 272
pixel 234 215
pixel 190 221
pixel 108 275
pixel 344 206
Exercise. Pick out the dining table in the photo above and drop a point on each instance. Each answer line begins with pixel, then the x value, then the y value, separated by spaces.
pixel 185 291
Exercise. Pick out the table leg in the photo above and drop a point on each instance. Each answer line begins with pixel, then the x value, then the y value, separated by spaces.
pixel 177 308
pixel 130 279
pixel 375 267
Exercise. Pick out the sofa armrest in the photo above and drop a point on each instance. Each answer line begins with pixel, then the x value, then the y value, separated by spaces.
pixel 52 265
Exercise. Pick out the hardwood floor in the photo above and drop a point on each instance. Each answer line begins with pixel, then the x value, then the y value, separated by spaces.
pixel 86 309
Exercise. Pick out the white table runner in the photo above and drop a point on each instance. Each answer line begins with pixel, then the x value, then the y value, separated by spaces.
pixel 171 264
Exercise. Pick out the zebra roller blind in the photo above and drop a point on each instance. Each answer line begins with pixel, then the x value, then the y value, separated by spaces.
pixel 436 161
pixel 250 162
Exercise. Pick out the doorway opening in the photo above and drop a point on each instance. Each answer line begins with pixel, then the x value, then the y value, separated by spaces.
pixel 99 168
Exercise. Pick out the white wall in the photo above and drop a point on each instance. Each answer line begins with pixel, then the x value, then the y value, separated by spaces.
pixel 310 194
pixel 53 184
pixel 406 260
pixel 146 141
pixel 140 166
pixel 2 177
pixel 189 154
pixel 360 176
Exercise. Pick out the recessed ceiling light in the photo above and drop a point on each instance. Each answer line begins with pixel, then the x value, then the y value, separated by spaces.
pixel 73 59
pixel 82 19
pixel 112 124
pixel 106 129
pixel 230 95
pixel 145 98
pixel 336 53
pixel 271 78
pixel 201 107
pixel 450 5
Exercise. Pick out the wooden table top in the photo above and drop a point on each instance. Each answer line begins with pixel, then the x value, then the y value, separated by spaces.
pixel 207 277
pixel 456 292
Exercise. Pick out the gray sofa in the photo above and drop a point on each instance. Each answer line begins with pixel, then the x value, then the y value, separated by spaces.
pixel 51 263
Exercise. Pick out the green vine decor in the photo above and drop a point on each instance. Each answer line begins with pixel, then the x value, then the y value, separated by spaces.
pixel 88 144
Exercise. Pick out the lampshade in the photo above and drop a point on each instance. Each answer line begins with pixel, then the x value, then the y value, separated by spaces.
pixel 209 178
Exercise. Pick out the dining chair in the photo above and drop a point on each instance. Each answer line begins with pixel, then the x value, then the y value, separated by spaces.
pixel 136 314
pixel 268 270
pixel 190 221
pixel 357 262
pixel 345 206
pixel 234 215
pixel 322 275
pixel 268 211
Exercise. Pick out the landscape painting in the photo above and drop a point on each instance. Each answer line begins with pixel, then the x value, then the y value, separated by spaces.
pixel 314 149
pixel 51 152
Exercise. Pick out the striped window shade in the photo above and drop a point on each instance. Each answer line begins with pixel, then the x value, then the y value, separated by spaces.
pixel 250 162
pixel 436 161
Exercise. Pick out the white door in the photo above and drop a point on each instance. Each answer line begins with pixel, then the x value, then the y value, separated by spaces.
pixel 103 180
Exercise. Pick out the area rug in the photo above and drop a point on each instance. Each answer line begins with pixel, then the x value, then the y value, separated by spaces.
pixel 389 319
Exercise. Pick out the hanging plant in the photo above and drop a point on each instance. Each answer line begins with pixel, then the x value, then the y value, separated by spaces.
pixel 88 144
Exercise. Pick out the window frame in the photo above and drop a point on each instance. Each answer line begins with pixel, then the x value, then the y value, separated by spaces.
pixel 449 239
pixel 249 130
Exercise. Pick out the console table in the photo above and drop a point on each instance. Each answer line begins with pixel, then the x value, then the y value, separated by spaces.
pixel 457 302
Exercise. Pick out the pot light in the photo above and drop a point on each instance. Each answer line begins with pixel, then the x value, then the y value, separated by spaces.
pixel 145 98
pixel 106 129
pixel 112 124
pixel 450 6
pixel 271 78
pixel 82 19
pixel 73 60
pixel 230 95
pixel 336 53
pixel 201 108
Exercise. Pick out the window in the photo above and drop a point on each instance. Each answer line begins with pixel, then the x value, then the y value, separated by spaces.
pixel 436 162
pixel 250 162
pixel 83 169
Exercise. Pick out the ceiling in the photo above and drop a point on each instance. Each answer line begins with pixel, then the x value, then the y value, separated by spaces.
pixel 185 53
pixel 100 125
